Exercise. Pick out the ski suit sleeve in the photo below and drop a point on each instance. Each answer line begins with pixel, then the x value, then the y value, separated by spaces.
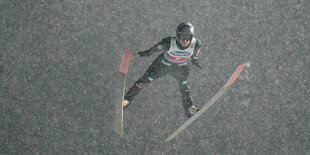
pixel 196 53
pixel 161 46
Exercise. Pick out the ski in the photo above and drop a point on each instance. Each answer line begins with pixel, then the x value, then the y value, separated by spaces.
pixel 217 96
pixel 119 90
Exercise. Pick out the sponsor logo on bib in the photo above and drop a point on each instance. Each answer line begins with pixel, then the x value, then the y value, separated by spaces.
pixel 180 53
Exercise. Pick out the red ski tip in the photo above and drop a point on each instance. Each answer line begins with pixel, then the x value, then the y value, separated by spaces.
pixel 234 76
pixel 125 60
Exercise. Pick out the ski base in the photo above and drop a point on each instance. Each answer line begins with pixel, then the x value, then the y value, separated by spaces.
pixel 119 90
pixel 213 100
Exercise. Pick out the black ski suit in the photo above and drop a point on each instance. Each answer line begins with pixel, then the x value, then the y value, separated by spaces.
pixel 168 63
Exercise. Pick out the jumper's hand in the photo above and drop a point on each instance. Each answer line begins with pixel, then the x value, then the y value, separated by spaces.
pixel 144 53
pixel 196 63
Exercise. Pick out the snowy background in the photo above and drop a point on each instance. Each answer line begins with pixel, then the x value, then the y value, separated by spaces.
pixel 58 59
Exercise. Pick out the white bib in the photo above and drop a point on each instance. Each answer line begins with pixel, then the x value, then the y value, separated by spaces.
pixel 177 56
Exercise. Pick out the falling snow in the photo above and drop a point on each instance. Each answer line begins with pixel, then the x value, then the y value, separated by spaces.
pixel 58 59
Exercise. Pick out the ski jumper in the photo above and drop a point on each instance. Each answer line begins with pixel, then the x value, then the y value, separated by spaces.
pixel 173 61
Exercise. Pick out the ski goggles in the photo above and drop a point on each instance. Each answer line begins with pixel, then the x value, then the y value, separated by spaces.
pixel 184 37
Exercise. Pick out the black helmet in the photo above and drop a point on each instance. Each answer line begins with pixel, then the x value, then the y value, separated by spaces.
pixel 185 29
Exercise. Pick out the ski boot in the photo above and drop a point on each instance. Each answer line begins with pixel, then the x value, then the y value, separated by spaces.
pixel 191 111
pixel 125 103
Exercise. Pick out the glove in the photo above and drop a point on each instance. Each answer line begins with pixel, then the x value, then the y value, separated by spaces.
pixel 196 63
pixel 144 53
